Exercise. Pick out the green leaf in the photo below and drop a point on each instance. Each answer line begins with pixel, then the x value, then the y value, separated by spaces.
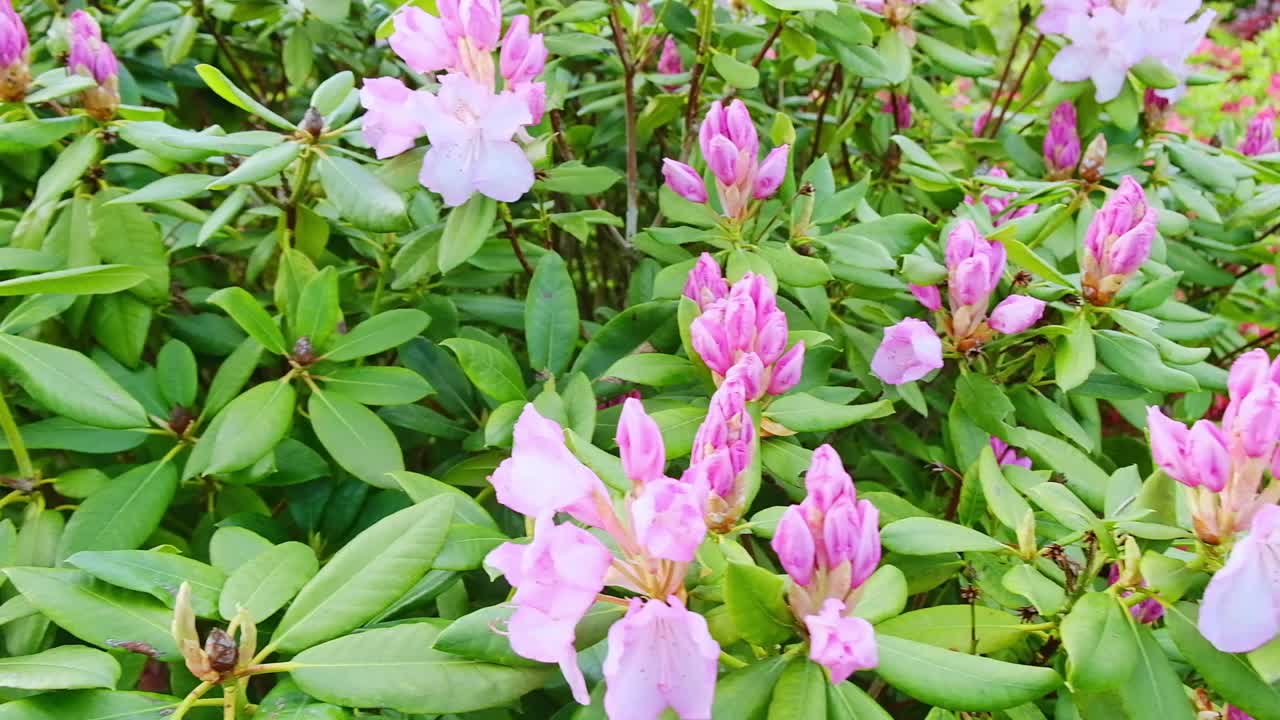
pixel 1154 691
pixel 956 627
pixel 246 430
pixel 369 573
pixel 28 135
pixel 397 668
pixel 1005 502
pixel 96 280
pixel 757 603
pixel 268 581
pixel 120 324
pixel 654 369
pixel 1101 652
pixel 61 668
pixel 330 93
pixel 551 316
pixel 1153 73
pixel 801 692
pixel 70 384
pixel 930 536
pixel 803 412
pixel 227 90
pixel 1138 360
pixel 360 196
pixel 492 371
pixel 95 612
pixel 1074 359
pixel 883 595
pixel 1047 596
pixel 847 701
pixel 92 705
pixel 421 488
pixel 1028 260
pixel 356 438
pixel 735 72
pixel 124 513
pixel 378 385
pixel 954 59
pixel 231 546
pixel 159 574
pixel 984 403
pixel 958 681
pixel 896 56
pixel 466 230
pixel 1084 477
pixel 1230 675
pixel 178 373
pixel 173 187
pixel 318 311
pixel 249 315
pixel 621 335
pixel 232 375
pixel 744 694
pixel 575 178
pixel 299 56
pixel 259 166
pixel 377 334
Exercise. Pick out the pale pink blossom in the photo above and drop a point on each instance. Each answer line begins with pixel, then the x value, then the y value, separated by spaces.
pixel 1056 16
pixel 391 124
pixel 669 518
pixel 470 129
pixel 640 442
pixel 13 37
pixel 928 295
pixel 910 350
pixel 542 476
pixel 661 656
pixel 842 644
pixel 1103 49
pixel 1016 313
pixel 424 41
pixel 1241 607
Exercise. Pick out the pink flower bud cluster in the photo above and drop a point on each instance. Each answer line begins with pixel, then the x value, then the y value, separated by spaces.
pixel 15 75
pixel 731 149
pixel 660 655
pixel 742 326
pixel 899 106
pixel 90 55
pixel 1107 38
pixel 1226 463
pixel 1260 136
pixel 999 202
pixel 829 545
pixel 1117 242
pixel 1062 143
pixel 723 450
pixel 469 122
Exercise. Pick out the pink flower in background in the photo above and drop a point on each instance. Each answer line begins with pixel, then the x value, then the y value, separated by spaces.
pixel 424 41
pixel 669 62
pixel 1241 607
pixel 471 129
pixel 557 577
pixel 1016 313
pixel 661 656
pixel 1146 611
pixel 1235 106
pixel 1056 16
pixel 899 106
pixel 1102 49
pixel 1273 88
pixel 910 350
pixel 1062 143
pixel 89 54
pixel 841 644
pixel 980 124
pixel 1007 455
pixel 1260 137
pixel 998 202
pixel 391 122
pixel 974 268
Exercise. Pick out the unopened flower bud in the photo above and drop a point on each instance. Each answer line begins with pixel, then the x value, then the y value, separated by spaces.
pixel 826 481
pixel 523 54
pixel 928 295
pixel 15 75
pixel 771 173
pixel 1016 313
pixel 705 284
pixel 1062 143
pixel 640 442
pixel 787 371
pixel 684 180
pixel 793 542
pixel 711 344
pixel 1095 157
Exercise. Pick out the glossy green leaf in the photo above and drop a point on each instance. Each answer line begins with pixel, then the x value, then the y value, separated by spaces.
pixel 959 681
pixel 357 439
pixel 124 513
pixel 551 316
pixel 70 384
pixel 492 371
pixel 266 582
pixel 1101 651
pixel 930 536
pixel 159 574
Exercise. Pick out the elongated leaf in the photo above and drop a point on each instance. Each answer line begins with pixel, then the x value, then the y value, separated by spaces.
pixel 551 316
pixel 248 314
pixel 744 694
pixel 956 627
pixel 466 230
pixel 265 583
pixel 396 668
pixel 365 576
pixel 96 280
pixel 1154 690
pixel 756 602
pixel 173 187
pixel 1231 675
pixel 621 335
pixel 361 196
pixel 124 513
pixel 801 692
pixel 259 166
pixel 930 536
pixel 356 438
pixel 158 574
pixel 96 612
pixel 958 681
pixel 70 384
pixel 489 369
pixel 802 412
pixel 61 668
pixel 377 334
pixel 247 429
pixel 1101 651
pixel 90 705
pixel 227 90
pixel 374 385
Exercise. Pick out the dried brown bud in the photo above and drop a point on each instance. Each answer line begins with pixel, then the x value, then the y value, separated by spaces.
pixel 313 123
pixel 180 418
pixel 970 593
pixel 303 353
pixel 1095 157
pixel 222 650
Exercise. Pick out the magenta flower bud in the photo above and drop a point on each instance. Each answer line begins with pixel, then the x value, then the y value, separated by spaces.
pixel 1006 455
pixel 793 542
pixel 740 323
pixel 749 371
pixel 1016 313
pixel 684 180
pixel 480 21
pixel 1207 455
pixel 89 55
pixel 928 295
pixel 644 13
pixel 710 343
pixel 740 129
pixel 1257 423
pixel 713 126
pixel 717 471
pixel 1131 249
pixel 910 350
pixel 423 41
pixel 826 481
pixel 1260 136
pixel 15 76
pixel 757 288
pixel 771 173
pixel 840 532
pixel 841 644
pixel 644 456
pixel 535 94
pixel 962 242
pixel 705 283
pixel 787 371
pixel 523 55
pixel 970 281
pixel 997 257
pixel 712 434
pixel 771 336
pixel 868 552
pixel 1169 439
pixel 669 62
pixel 1062 143
pixel 899 106
pixel 723 159
pixel 1249 371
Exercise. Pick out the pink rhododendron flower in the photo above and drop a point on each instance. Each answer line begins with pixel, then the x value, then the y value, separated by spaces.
pixel 661 656
pixel 640 442
pixel 15 76
pixel 928 295
pixel 910 350
pixel 1118 241
pixel 1103 48
pixel 391 122
pixel 841 644
pixel 669 518
pixel 1062 143
pixel 557 577
pixel 1007 455
pixel 1056 16
pixel 470 129
pixel 669 62
pixel 1016 313
pixel 1260 137
pixel 90 55
pixel 1241 607
pixel 542 477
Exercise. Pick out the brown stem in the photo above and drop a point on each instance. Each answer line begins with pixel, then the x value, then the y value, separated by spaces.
pixel 836 74
pixel 1035 50
pixel 768 43
pixel 695 79
pixel 515 240
pixel 1262 340
pixel 1004 77
pixel 629 98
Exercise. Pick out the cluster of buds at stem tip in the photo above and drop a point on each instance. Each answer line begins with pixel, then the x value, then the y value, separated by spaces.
pixel 15 75
pixel 723 451
pixel 90 55
pixel 731 149
pixel 1225 465
pixel 221 656
pixel 1117 242
pixel 829 545
pixel 1062 143
pixel 561 572
pixel 743 328
pixel 998 203
pixel 1260 136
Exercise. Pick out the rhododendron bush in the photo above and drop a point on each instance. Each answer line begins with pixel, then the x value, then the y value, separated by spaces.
pixel 751 360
